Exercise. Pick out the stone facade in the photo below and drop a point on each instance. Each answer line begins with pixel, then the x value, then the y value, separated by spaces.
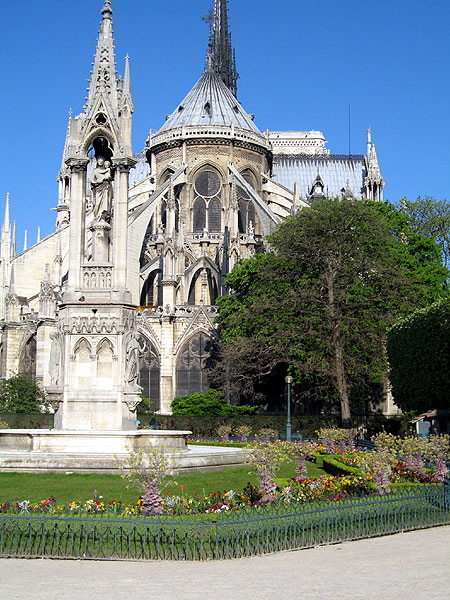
pixel 119 300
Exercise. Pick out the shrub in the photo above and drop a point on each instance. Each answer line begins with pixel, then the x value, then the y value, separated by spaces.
pixel 20 394
pixel 211 402
pixel 335 467
pixel 150 472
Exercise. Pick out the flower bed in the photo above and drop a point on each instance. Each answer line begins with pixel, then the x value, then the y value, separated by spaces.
pixel 287 492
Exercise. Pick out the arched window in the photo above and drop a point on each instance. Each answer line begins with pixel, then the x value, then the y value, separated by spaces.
pixel 214 215
pixel 199 215
pixel 247 212
pixel 208 190
pixel 149 369
pixel 191 373
pixel 242 215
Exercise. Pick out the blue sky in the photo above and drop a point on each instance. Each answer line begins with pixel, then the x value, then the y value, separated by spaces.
pixel 301 65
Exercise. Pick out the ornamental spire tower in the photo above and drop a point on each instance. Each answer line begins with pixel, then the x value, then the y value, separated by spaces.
pixel 103 74
pixel 96 318
pixel 220 57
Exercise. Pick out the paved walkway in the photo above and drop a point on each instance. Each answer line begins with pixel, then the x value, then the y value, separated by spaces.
pixel 406 566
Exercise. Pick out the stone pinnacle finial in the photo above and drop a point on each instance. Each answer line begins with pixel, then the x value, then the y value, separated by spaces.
pixel 107 10
pixel 6 216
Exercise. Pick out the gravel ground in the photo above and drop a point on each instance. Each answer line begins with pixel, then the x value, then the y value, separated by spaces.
pixel 410 566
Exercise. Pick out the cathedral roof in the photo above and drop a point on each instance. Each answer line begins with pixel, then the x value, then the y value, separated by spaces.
pixel 334 170
pixel 210 102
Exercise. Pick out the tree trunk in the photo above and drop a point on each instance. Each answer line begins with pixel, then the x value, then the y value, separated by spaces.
pixel 341 379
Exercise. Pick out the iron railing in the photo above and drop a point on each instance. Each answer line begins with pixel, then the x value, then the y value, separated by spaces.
pixel 247 532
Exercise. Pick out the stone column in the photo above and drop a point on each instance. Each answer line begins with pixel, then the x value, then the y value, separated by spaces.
pixel 120 221
pixel 77 214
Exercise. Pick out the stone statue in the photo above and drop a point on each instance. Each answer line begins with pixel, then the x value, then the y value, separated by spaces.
pixel 132 362
pixel 101 185
pixel 56 359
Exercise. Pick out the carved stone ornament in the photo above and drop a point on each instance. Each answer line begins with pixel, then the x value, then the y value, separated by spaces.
pixel 132 401
pixel 54 396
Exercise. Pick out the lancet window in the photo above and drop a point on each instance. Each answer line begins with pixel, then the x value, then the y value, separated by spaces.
pixel 149 368
pixel 191 374
pixel 247 213
pixel 207 208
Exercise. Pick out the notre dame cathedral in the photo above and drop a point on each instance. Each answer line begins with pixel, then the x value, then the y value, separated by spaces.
pixel 119 301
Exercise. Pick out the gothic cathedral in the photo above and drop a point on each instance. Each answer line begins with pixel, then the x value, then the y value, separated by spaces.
pixel 119 302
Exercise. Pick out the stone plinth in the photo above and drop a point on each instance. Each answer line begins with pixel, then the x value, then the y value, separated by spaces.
pixel 90 442
pixel 33 451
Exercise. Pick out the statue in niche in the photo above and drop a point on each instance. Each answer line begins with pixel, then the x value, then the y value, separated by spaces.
pixel 132 371
pixel 56 359
pixel 102 191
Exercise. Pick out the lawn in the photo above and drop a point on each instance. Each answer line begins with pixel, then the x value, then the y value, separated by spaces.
pixel 65 488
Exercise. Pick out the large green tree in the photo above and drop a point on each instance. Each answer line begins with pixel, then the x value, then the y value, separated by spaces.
pixel 341 272
pixel 431 217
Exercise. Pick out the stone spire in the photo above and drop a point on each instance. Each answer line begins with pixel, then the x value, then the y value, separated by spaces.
pixel 373 182
pixel 103 75
pixel 126 99
pixel 13 240
pixel 5 253
pixel 220 58
pixel 6 224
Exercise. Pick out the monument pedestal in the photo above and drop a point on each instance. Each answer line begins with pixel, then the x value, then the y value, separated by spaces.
pixel 51 450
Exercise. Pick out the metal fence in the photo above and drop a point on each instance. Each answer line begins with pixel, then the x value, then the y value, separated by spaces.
pixel 224 535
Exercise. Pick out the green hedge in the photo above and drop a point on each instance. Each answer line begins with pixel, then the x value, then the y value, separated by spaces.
pixel 206 426
pixel 334 467
pixel 28 420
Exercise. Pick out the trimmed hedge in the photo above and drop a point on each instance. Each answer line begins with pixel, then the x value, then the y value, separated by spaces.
pixel 28 420
pixel 334 467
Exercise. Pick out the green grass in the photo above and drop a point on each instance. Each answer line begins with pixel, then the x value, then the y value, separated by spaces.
pixel 65 488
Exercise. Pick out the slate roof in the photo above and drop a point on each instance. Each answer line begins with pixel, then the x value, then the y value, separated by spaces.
pixel 210 102
pixel 335 170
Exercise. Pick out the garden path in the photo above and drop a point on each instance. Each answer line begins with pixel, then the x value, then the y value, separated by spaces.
pixel 406 566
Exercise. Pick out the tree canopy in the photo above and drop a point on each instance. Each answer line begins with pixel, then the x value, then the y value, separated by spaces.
pixel 20 394
pixel 419 358
pixel 431 218
pixel 340 274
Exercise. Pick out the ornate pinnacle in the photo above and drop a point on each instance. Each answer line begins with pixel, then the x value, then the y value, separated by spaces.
pixel 107 10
